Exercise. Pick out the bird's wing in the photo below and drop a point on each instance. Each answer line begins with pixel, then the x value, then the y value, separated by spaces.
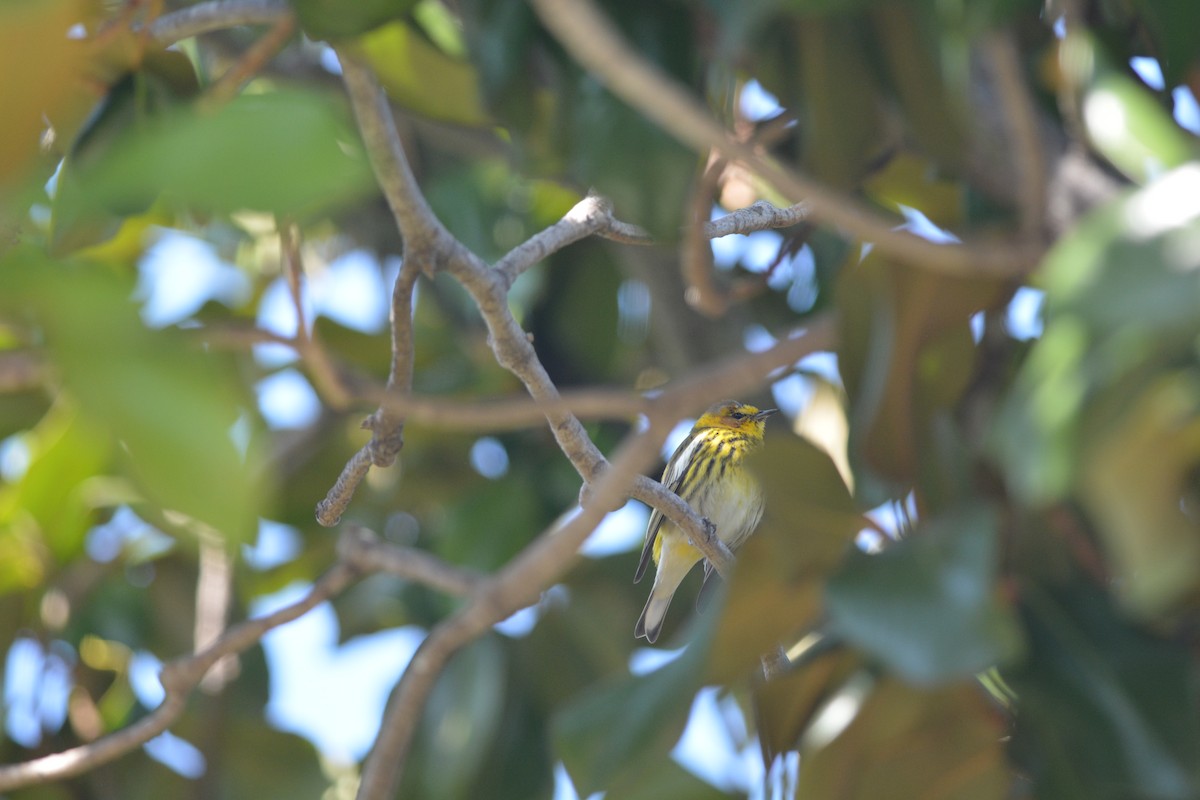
pixel 672 478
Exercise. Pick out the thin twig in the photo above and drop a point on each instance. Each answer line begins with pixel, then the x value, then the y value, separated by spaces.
pixel 216 15
pixel 179 678
pixel 330 509
pixel 361 553
pixel 425 242
pixel 696 254
pixel 326 378
pixel 254 59
pixel 588 216
pixel 593 40
pixel 419 226
pixel 361 548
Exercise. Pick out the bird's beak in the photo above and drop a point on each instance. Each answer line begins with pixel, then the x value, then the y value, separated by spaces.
pixel 765 413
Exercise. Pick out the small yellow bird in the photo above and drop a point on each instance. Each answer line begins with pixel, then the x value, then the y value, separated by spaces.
pixel 708 471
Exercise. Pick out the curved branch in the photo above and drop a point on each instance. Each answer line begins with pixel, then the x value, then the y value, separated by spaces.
pixel 592 39
pixel 361 554
pixel 179 678
pixel 362 549
pixel 217 15
pixel 590 215
pixel 555 551
pixel 516 586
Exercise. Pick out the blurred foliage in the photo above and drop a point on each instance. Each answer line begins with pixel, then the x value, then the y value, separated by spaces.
pixel 1030 626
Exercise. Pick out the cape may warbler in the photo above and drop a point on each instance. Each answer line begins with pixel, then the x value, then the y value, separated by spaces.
pixel 708 471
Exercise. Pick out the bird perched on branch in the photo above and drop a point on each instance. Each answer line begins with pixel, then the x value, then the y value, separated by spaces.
pixel 708 471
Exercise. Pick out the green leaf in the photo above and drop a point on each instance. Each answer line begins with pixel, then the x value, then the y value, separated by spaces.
pixel 645 172
pixel 461 722
pixel 916 69
pixel 172 406
pixel 287 151
pixel 1132 130
pixel 843 130
pixel 1121 294
pixel 1106 710
pixel 334 19
pixel 785 706
pixel 65 451
pixel 1172 23
pixel 1132 478
pixel 422 78
pixel 927 606
pixel 133 102
pixel 618 734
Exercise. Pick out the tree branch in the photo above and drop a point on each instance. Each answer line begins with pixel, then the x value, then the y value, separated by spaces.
pixel 1020 115
pixel 361 553
pixel 542 563
pixel 599 47
pixel 514 587
pixel 267 47
pixel 216 15
pixel 324 374
pixel 179 678
pixel 590 215
pixel 362 549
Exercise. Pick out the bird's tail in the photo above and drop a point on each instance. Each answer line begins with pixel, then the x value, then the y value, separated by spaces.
pixel 672 569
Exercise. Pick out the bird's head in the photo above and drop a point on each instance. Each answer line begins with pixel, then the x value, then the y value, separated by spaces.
pixel 735 416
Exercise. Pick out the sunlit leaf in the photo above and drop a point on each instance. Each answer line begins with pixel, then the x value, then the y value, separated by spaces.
pixel 1134 473
pixel 910 181
pixel 172 407
pixel 1129 127
pixel 1118 310
pixel 290 152
pixel 332 19
pixel 66 449
pixel 422 78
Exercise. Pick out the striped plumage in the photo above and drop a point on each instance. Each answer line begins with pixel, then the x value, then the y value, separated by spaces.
pixel 707 470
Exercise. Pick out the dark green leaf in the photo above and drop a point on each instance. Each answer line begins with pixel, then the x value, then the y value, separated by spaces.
pixel 1106 710
pixel 335 19
pixel 461 722
pixel 928 606
pixel 620 732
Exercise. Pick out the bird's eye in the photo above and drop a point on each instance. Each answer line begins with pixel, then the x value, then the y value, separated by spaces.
pixel 737 415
